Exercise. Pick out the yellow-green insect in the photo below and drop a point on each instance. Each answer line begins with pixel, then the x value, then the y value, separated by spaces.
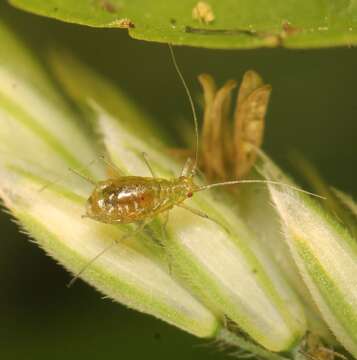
pixel 135 199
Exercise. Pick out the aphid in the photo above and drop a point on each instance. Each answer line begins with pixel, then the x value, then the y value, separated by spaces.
pixel 135 199
pixel 123 23
pixel 203 12
pixel 288 29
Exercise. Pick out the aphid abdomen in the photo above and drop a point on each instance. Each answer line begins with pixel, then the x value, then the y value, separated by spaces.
pixel 129 199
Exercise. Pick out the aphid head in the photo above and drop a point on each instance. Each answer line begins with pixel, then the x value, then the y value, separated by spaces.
pixel 188 186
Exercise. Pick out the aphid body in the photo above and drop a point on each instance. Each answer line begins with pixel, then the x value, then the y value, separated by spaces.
pixel 130 199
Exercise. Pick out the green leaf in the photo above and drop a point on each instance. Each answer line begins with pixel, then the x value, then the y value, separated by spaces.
pixel 236 24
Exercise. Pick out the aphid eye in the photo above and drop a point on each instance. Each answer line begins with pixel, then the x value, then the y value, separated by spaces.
pixel 190 194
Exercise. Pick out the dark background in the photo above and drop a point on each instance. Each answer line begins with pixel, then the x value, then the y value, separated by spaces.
pixel 313 110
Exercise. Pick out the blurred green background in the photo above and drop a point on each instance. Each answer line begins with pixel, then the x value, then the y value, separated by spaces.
pixel 313 110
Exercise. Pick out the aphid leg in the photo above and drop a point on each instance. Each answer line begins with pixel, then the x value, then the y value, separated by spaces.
pixel 147 163
pixel 115 169
pixel 164 239
pixel 203 215
pixel 112 244
pixel 164 225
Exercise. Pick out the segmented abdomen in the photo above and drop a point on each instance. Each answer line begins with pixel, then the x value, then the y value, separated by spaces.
pixel 129 199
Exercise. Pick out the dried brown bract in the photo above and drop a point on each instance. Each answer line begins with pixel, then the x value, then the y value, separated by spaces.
pixel 228 149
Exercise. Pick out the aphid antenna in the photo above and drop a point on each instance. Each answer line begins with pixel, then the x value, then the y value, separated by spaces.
pixel 235 182
pixel 193 109
pixel 77 172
